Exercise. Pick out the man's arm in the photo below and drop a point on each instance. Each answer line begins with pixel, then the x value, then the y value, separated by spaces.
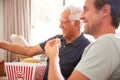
pixel 21 49
pixel 54 69
pixel 51 49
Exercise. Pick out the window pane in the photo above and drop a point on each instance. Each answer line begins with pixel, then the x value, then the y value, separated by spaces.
pixel 44 19
pixel 75 2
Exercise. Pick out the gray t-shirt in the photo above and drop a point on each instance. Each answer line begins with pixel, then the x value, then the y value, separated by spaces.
pixel 101 59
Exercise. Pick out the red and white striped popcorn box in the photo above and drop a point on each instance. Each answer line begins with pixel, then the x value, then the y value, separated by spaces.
pixel 40 71
pixel 24 71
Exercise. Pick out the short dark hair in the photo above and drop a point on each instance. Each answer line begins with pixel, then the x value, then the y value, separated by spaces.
pixel 115 9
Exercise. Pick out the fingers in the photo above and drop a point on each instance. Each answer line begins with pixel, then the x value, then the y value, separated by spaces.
pixel 52 47
pixel 54 42
pixel 57 42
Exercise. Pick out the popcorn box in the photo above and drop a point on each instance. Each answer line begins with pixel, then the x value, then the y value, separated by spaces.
pixel 2 70
pixel 24 71
pixel 39 73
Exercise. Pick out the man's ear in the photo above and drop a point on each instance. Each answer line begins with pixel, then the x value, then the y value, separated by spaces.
pixel 106 10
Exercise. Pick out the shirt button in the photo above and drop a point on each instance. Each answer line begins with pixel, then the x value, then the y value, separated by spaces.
pixel 64 46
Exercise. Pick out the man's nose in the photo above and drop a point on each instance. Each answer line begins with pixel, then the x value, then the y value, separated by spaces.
pixel 60 25
pixel 82 16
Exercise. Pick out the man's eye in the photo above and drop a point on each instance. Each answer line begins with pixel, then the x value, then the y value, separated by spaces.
pixel 85 10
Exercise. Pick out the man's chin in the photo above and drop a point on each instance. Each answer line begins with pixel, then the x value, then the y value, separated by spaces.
pixel 86 32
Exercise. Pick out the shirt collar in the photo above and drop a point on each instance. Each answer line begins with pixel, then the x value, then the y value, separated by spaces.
pixel 77 41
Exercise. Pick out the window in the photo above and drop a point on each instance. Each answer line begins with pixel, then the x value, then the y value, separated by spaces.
pixel 75 2
pixel 44 19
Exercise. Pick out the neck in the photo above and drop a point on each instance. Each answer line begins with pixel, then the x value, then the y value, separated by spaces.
pixel 71 39
pixel 107 30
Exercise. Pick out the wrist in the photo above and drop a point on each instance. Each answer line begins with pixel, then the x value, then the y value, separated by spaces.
pixel 54 58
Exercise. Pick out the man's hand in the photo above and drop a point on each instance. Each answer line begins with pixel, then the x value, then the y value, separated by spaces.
pixel 52 48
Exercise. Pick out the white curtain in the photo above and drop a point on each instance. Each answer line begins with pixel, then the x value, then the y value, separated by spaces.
pixel 16 15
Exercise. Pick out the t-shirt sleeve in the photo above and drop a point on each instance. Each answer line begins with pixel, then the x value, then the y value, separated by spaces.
pixel 42 44
pixel 99 60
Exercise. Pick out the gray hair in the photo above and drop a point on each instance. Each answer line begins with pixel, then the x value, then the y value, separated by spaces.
pixel 75 12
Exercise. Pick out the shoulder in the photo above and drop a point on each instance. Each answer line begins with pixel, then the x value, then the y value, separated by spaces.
pixel 104 45
pixel 108 39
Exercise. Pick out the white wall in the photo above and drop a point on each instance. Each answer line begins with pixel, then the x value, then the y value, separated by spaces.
pixel 2 52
